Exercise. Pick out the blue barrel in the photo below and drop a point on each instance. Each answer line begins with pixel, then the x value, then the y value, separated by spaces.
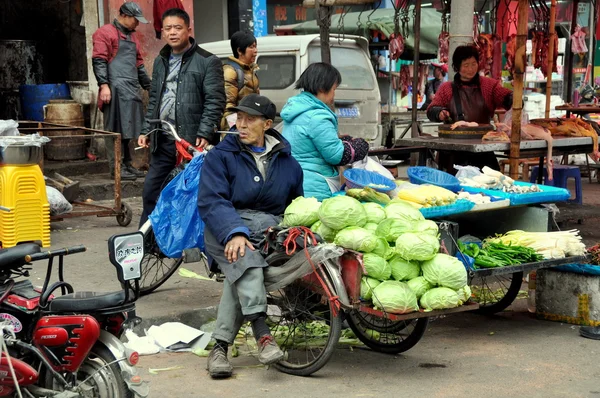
pixel 35 96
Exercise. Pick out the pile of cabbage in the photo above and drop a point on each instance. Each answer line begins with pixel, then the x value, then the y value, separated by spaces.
pixel 404 269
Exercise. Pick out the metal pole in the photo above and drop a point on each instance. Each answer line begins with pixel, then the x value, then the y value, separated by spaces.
pixel 461 27
pixel 551 50
pixel 324 20
pixel 415 93
pixel 520 64
pixel 568 76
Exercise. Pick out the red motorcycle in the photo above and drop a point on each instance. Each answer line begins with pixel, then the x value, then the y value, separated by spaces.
pixel 68 345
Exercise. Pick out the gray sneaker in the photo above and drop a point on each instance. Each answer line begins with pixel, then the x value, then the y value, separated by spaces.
pixel 217 365
pixel 268 350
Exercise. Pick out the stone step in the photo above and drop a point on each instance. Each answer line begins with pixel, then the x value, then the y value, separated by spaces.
pixel 102 187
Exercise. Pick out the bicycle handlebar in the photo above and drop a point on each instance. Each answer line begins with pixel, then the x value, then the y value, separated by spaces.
pixel 171 129
pixel 59 252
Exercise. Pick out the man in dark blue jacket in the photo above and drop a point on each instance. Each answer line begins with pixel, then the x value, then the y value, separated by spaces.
pixel 247 182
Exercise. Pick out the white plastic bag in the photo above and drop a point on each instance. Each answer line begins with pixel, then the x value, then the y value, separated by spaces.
pixel 58 204
pixel 467 171
pixel 8 128
pixel 370 164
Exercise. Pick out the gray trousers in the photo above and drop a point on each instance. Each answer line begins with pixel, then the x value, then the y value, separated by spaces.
pixel 244 290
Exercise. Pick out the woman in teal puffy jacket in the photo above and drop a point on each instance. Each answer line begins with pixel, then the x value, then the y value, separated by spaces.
pixel 311 127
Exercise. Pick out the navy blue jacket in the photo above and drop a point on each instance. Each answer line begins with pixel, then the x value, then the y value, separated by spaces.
pixel 231 181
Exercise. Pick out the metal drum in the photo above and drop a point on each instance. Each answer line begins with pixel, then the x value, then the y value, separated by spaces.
pixel 68 113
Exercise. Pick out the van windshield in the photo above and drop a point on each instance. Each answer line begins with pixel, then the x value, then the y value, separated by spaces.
pixel 352 64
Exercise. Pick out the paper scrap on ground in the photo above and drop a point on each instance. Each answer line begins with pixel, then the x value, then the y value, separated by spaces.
pixel 144 345
pixel 186 273
pixel 175 336
pixel 155 371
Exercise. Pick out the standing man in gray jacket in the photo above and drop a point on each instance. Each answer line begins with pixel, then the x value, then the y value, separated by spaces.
pixel 187 90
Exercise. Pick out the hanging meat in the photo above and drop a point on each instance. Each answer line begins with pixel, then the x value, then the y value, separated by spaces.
pixel 443 47
pixel 485 47
pixel 511 50
pixel 405 80
pixel 396 46
pixel 423 73
pixel 578 45
pixel 541 50
pixel 496 57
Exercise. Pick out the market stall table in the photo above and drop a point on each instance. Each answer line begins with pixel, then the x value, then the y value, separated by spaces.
pixel 578 110
pixel 529 148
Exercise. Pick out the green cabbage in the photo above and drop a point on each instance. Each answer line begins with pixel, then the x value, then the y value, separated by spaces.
pixel 302 212
pixel 377 267
pixel 412 246
pixel 440 298
pixel 426 226
pixel 419 285
pixel 392 228
pixel 356 238
pixel 382 249
pixel 367 285
pixel 464 294
pixel 370 226
pixel 403 270
pixel 395 297
pixel 444 270
pixel 375 212
pixel 403 211
pixel 324 232
pixel 342 211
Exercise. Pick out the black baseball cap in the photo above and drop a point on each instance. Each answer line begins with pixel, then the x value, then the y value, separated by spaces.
pixel 133 10
pixel 257 105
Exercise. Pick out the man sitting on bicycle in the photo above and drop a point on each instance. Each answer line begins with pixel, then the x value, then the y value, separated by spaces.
pixel 247 181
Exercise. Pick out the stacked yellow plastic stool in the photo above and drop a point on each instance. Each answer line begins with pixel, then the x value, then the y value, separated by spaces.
pixel 23 191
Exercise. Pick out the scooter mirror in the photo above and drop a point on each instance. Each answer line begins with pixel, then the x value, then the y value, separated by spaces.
pixel 126 252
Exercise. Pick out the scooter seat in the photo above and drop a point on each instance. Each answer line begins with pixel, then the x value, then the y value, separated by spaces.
pixel 14 257
pixel 86 301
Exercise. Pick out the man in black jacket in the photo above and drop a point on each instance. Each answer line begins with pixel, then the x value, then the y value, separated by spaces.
pixel 188 91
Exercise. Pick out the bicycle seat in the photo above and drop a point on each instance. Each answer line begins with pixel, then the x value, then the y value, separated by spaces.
pixel 86 301
pixel 14 257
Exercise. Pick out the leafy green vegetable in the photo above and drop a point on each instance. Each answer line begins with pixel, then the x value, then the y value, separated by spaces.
pixel 426 226
pixel 324 232
pixel 444 270
pixel 440 298
pixel 302 212
pixel 356 238
pixel 342 211
pixel 395 297
pixel 370 226
pixel 419 285
pixel 403 270
pixel 382 249
pixel 412 246
pixel 375 212
pixel 367 284
pixel 392 228
pixel 464 294
pixel 403 211
pixel 376 267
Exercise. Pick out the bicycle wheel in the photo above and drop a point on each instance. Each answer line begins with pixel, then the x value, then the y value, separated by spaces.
pixel 495 293
pixel 157 267
pixel 384 335
pixel 303 322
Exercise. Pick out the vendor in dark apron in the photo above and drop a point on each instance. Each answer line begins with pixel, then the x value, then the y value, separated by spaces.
pixel 471 98
pixel 123 74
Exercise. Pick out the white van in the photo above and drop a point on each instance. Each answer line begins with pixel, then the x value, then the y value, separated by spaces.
pixel 282 59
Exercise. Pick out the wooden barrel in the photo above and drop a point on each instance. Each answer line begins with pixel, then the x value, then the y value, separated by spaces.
pixel 464 132
pixel 68 113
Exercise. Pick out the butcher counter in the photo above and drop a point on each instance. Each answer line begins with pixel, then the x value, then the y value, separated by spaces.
pixel 529 148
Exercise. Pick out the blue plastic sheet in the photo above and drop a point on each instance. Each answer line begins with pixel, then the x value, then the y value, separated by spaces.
pixel 176 220
pixel 583 269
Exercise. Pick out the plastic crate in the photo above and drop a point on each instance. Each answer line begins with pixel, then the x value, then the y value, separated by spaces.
pixel 548 195
pixel 427 175
pixel 359 178
pixel 460 206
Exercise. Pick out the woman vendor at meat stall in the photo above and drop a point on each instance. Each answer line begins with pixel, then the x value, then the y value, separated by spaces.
pixel 469 98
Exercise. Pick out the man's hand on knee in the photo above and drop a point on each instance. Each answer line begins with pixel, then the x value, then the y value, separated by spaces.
pixel 236 248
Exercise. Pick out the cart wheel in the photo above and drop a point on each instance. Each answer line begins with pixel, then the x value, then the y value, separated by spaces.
pixel 156 267
pixel 124 218
pixel 303 324
pixel 496 292
pixel 384 335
